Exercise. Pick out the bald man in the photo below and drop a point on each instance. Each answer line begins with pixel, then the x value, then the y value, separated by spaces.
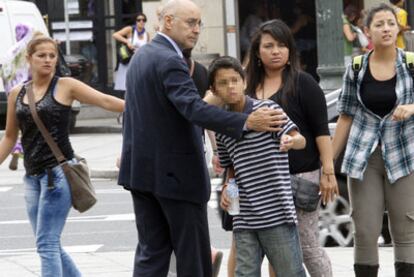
pixel 162 161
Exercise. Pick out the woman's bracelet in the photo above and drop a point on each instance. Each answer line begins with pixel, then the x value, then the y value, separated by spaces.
pixel 328 173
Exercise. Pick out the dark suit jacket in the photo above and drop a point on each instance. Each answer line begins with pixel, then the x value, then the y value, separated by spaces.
pixel 162 147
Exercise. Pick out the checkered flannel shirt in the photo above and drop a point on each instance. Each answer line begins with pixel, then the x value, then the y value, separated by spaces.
pixel 368 129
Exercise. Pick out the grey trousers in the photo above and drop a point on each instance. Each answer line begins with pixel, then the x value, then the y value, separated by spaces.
pixel 315 257
pixel 369 199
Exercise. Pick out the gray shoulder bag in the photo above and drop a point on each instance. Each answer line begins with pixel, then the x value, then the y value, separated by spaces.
pixel 77 174
pixel 305 193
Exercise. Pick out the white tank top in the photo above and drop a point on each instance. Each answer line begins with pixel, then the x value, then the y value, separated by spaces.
pixel 138 42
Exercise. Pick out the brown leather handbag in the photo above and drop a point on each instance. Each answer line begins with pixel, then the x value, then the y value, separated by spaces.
pixel 77 173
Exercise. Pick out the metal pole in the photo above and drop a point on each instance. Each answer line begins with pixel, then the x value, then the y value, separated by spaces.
pixel 65 3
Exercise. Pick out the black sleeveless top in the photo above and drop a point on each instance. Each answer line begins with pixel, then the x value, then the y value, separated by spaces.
pixel 55 116
pixel 378 96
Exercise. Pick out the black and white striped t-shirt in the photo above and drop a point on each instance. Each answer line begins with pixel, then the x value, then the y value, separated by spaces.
pixel 261 173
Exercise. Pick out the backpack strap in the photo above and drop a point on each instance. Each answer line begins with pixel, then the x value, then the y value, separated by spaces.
pixel 408 59
pixel 357 65
pixel 409 62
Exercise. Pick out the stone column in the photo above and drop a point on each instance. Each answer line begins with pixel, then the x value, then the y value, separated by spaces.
pixel 330 44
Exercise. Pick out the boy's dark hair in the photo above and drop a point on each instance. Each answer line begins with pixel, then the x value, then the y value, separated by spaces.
pixel 225 62
pixel 376 9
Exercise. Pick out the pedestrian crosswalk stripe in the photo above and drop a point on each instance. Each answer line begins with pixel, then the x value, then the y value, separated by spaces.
pixel 83 248
pixel 5 189
pixel 70 249
pixel 93 218
pixel 111 191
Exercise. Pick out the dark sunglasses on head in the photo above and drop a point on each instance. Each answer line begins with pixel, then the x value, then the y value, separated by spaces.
pixel 141 19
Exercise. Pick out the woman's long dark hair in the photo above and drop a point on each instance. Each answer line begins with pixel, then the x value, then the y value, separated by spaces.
pixel 254 69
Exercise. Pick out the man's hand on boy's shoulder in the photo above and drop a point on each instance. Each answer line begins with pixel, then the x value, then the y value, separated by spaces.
pixel 266 120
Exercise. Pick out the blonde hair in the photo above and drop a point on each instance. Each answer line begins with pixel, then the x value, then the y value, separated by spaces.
pixel 39 38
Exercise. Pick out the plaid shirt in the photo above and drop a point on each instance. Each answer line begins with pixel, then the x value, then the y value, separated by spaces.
pixel 368 129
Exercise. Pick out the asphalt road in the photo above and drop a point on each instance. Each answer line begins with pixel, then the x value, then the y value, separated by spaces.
pixel 109 226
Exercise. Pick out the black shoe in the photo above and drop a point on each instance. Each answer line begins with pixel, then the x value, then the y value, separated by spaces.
pixel 366 270
pixel 404 269
pixel 14 162
pixel 217 263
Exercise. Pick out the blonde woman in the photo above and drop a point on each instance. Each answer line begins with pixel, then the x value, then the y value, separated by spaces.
pixel 47 192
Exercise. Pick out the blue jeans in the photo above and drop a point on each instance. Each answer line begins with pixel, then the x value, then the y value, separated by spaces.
pixel 48 208
pixel 281 246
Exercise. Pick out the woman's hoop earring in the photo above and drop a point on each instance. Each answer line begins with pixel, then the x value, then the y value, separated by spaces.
pixel 259 62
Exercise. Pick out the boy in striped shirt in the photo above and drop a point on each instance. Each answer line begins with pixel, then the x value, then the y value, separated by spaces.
pixel 259 163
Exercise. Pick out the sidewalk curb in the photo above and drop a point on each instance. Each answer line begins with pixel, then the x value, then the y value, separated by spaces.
pixel 104 173
pixel 89 130
pixel 96 129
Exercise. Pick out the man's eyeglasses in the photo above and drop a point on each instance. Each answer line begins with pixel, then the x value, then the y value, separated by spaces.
pixel 191 22
pixel 141 20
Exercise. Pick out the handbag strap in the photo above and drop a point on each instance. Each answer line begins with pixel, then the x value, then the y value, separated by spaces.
pixel 42 128
pixel 133 34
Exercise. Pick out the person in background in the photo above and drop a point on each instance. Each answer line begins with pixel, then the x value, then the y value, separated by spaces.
pixel 273 73
pixel 402 15
pixel 15 71
pixel 349 18
pixel 304 32
pixel 47 192
pixel 133 36
pixel 250 25
pixel 376 128
pixel 361 24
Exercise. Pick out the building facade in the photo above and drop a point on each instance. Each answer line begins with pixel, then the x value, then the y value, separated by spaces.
pixel 87 29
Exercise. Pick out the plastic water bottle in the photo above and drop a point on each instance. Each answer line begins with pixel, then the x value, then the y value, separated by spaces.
pixel 233 193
